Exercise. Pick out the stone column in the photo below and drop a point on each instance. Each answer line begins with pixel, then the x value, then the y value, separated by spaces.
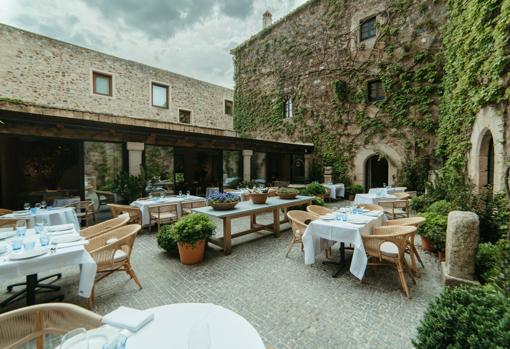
pixel 308 164
pixel 135 157
pixel 247 164
pixel 462 236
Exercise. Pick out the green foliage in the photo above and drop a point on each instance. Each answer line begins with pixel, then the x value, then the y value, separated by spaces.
pixel 494 213
pixel 314 188
pixel 420 203
pixel 128 186
pixel 434 229
pixel 354 189
pixel 414 175
pixel 166 241
pixel 441 207
pixel 287 191
pixel 493 265
pixel 465 317
pixel 192 228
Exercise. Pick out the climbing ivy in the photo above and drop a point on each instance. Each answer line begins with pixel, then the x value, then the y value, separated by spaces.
pixel 339 119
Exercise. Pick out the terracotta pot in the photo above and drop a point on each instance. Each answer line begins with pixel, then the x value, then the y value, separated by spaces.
pixel 258 198
pixel 426 244
pixel 190 254
pixel 440 256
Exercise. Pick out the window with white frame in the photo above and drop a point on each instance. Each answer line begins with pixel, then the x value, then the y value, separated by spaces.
pixel 288 111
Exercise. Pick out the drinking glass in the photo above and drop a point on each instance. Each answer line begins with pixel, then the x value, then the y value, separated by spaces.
pixel 28 244
pixel 44 239
pixel 43 204
pixel 37 205
pixel 26 206
pixel 180 193
pixel 162 195
pixel 187 192
pixel 21 228
pixel 74 337
pixel 39 224
pixel 16 243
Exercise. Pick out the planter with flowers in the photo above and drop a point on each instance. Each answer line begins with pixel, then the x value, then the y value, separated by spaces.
pixel 223 201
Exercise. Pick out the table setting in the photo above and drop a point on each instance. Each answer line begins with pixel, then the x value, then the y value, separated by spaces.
pixel 374 197
pixel 40 211
pixel 346 226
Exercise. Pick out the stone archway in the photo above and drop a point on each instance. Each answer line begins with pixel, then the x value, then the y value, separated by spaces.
pixel 376 172
pixel 486 158
pixel 364 154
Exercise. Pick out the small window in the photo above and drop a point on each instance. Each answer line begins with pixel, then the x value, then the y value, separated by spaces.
pixel 159 95
pixel 228 107
pixel 367 29
pixel 289 109
pixel 375 91
pixel 185 116
pixel 102 84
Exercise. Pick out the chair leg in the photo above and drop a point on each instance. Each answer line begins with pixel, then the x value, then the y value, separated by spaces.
pixel 415 251
pixel 413 261
pixel 91 298
pixel 132 273
pixel 408 270
pixel 403 279
pixel 290 247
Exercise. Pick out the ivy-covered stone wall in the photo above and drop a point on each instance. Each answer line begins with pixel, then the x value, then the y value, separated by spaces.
pixel 314 56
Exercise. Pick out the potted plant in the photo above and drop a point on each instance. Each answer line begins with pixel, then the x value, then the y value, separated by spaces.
pixel 223 201
pixel 128 187
pixel 433 231
pixel 315 189
pixel 354 189
pixel 191 233
pixel 287 193
pixel 259 195
pixel 166 241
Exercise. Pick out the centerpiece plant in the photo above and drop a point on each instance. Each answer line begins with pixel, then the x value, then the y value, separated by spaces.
pixel 223 201
pixel 287 193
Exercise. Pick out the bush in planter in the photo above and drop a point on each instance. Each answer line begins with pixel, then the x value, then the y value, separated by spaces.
pixel 420 203
pixel 192 228
pixel 354 189
pixel 166 241
pixel 129 187
pixel 465 317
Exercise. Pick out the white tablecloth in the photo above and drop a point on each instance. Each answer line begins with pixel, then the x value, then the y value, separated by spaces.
pixel 372 198
pixel 337 190
pixel 69 256
pixel 321 234
pixel 388 190
pixel 172 324
pixel 64 215
pixel 144 205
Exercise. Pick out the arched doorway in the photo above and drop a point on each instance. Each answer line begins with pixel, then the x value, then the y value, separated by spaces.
pixel 486 160
pixel 376 172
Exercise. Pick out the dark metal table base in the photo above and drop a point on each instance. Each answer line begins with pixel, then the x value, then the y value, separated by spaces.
pixel 342 264
pixel 34 286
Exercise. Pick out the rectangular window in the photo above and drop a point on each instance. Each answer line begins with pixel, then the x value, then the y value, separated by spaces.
pixel 232 168
pixel 367 29
pixel 159 165
pixel 185 116
pixel 228 107
pixel 102 84
pixel 288 109
pixel 375 91
pixel 159 95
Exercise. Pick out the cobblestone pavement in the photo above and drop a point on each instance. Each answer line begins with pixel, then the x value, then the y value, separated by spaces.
pixel 290 304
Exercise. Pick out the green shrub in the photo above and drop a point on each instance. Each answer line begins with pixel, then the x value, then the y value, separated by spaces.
pixel 493 265
pixel 287 191
pixel 465 317
pixel 192 228
pixel 434 229
pixel 420 203
pixel 441 207
pixel 354 189
pixel 314 188
pixel 166 241
pixel 128 186
pixel 494 213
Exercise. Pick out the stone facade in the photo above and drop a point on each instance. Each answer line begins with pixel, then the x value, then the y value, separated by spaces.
pixel 50 73
pixel 310 50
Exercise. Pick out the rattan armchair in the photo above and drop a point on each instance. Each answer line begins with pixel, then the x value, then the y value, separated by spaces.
pixel 84 210
pixel 33 323
pixel 112 252
pixel 5 211
pixel 387 245
pixel 135 216
pixel 299 220
pixel 6 223
pixel 372 207
pixel 411 248
pixel 163 214
pixel 396 208
pixel 187 206
pixel 104 227
pixel 318 210
pixel 402 196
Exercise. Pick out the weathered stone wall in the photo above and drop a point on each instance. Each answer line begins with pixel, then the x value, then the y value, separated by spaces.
pixel 307 53
pixel 47 72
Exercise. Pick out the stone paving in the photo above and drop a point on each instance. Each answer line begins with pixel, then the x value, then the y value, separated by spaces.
pixel 290 304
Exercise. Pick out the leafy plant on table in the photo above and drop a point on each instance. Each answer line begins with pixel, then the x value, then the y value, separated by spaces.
pixel 287 191
pixel 222 198
pixel 192 228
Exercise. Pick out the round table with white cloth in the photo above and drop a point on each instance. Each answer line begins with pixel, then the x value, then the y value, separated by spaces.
pixel 53 216
pixel 173 324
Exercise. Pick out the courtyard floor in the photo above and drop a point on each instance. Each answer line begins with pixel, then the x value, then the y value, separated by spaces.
pixel 290 304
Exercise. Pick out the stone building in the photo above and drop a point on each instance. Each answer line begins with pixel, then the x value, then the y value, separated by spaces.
pixel 74 118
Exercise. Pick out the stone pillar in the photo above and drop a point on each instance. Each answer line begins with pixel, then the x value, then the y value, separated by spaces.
pixel 462 235
pixel 308 165
pixel 247 164
pixel 135 157
pixel 328 175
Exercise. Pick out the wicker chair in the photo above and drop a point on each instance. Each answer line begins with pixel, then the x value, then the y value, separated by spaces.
pixel 396 208
pixel 135 216
pixel 6 223
pixel 372 207
pixel 5 211
pixel 22 326
pixel 104 227
pixel 411 248
pixel 402 196
pixel 388 244
pixel 161 214
pixel 84 210
pixel 187 206
pixel 299 220
pixel 112 252
pixel 318 210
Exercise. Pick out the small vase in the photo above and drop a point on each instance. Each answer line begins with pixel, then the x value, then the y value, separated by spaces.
pixel 190 254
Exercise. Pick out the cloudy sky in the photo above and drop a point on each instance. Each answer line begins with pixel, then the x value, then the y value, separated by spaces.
pixel 190 37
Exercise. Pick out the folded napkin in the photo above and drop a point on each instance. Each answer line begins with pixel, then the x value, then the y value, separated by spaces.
pixel 65 238
pixel 62 232
pixel 373 213
pixel 128 318
pixel 60 227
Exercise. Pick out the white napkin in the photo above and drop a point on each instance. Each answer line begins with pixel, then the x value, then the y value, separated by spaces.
pixel 65 238
pixel 62 232
pixel 128 318
pixel 60 227
pixel 373 213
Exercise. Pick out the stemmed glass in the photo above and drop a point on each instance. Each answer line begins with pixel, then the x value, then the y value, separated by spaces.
pixel 43 204
pixel 74 337
pixel 21 227
pixel 37 206
pixel 26 206
pixel 187 193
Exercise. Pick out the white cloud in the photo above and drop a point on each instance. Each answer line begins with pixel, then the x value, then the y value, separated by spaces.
pixel 198 45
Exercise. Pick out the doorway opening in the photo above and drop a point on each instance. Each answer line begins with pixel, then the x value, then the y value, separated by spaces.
pixel 376 172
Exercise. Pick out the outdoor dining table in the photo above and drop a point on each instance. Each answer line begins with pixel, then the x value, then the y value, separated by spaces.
pixel 321 234
pixel 248 209
pixel 145 204
pixel 336 190
pixel 62 256
pixel 373 198
pixel 51 216
pixel 173 325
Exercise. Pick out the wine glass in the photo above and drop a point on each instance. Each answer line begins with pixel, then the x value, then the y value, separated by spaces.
pixel 37 206
pixel 39 224
pixel 26 206
pixel 74 337
pixel 180 193
pixel 187 193
pixel 43 204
